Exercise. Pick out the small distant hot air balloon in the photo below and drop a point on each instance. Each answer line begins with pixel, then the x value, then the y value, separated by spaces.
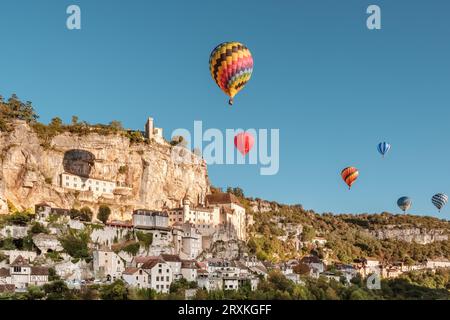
pixel 383 148
pixel 439 200
pixel 349 175
pixel 231 66
pixel 404 203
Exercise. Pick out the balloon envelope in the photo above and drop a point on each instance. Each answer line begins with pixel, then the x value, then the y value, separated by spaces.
pixel 404 203
pixel 349 175
pixel 244 142
pixel 383 148
pixel 439 200
pixel 231 67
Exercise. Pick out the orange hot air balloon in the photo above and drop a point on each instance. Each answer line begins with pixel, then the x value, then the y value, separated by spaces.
pixel 349 175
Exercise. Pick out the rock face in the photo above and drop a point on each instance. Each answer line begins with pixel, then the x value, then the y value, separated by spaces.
pixel 418 235
pixel 145 174
pixel 263 206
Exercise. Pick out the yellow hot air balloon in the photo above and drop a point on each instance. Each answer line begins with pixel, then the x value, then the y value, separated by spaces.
pixel 231 66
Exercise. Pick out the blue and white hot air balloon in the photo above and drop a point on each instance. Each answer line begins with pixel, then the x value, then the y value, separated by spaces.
pixel 383 148
pixel 404 203
pixel 439 200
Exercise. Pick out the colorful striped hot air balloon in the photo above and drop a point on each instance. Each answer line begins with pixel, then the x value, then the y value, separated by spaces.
pixel 349 175
pixel 404 203
pixel 383 148
pixel 231 66
pixel 439 200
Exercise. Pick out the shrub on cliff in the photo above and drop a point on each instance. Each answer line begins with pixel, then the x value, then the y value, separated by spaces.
pixel 103 213
pixel 84 214
pixel 75 243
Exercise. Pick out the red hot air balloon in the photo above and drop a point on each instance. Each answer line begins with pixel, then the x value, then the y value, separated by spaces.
pixel 244 142
pixel 349 175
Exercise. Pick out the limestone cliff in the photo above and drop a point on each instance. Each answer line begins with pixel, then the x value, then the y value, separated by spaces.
pixel 144 173
pixel 418 235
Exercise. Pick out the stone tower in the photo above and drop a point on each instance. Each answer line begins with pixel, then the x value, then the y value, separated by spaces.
pixel 149 128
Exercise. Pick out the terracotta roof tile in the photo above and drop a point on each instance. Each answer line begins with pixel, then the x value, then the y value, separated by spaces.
pixel 222 198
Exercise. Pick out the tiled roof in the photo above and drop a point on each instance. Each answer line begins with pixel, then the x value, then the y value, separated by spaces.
pixel 141 259
pixel 7 288
pixel 171 257
pixel 222 198
pixel 20 262
pixel 39 271
pixel 152 263
pixel 4 272
pixel 188 264
pixel 130 271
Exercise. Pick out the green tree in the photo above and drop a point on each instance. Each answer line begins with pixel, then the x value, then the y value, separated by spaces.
pixel 116 125
pixel 75 243
pixel 35 293
pixel 74 120
pixel 103 213
pixel 115 291
pixel 308 233
pixel 37 228
pixel 57 290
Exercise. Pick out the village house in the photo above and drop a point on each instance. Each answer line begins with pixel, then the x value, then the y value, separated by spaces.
pixel 191 240
pixel 136 277
pixel 205 219
pixel 175 264
pixel 23 274
pixel 156 223
pixel 315 265
pixel 209 281
pixel 107 264
pixel 160 274
pixel 370 266
pixel 232 215
pixel 97 187
pixel 189 270
pixel 348 271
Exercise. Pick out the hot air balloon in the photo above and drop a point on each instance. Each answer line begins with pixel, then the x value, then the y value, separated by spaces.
pixel 349 175
pixel 383 148
pixel 404 203
pixel 439 200
pixel 231 66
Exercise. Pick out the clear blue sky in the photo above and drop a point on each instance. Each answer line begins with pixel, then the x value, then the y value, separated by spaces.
pixel 332 87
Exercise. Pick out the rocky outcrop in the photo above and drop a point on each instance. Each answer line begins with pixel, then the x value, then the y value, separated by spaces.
pixel 229 250
pixel 47 243
pixel 418 235
pixel 145 174
pixel 262 206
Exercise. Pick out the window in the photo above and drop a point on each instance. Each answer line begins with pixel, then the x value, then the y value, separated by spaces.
pixel 67 184
pixel 17 269
pixel 67 177
pixel 75 185
pixel 160 271
pixel 157 286
pixel 137 278
pixel 167 286
pixel 167 272
pixel 157 278
pixel 167 278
